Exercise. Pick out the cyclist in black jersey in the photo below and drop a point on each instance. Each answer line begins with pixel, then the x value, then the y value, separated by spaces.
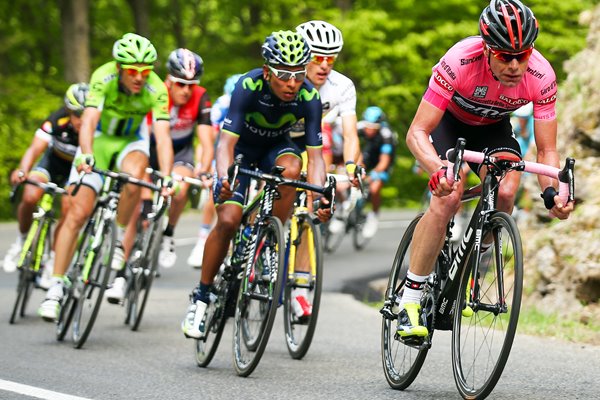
pixel 56 142
pixel 378 144
pixel 265 103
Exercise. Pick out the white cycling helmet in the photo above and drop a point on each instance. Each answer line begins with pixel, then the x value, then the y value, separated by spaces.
pixel 322 37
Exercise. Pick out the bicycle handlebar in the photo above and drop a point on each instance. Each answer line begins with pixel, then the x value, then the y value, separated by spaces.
pixel 47 187
pixel 565 177
pixel 120 176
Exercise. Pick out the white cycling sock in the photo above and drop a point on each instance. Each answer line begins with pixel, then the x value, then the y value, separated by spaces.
pixel 413 289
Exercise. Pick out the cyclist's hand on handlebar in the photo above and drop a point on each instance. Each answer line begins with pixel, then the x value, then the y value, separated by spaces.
pixel 221 190
pixel 84 162
pixel 17 176
pixel 206 178
pixel 553 202
pixel 322 210
pixel 438 185
pixel 170 187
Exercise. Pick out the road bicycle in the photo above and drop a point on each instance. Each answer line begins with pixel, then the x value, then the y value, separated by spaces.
pixel 304 245
pixel 353 217
pixel 37 246
pixel 249 284
pixel 90 270
pixel 473 291
pixel 142 266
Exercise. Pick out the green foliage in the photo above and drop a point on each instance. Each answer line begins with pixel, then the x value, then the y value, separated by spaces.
pixel 389 49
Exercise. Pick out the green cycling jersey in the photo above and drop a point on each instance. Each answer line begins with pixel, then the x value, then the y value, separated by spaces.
pixel 122 113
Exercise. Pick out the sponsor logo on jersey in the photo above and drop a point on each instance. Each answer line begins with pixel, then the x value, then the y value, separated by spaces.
pixel 513 102
pixel 305 95
pixel 535 73
pixel 466 61
pixel 480 91
pixel 482 110
pixel 442 82
pixel 448 70
pixel 261 121
pixel 253 85
pixel 547 100
pixel 548 89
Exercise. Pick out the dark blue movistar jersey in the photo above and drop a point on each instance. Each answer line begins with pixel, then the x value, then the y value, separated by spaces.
pixel 261 119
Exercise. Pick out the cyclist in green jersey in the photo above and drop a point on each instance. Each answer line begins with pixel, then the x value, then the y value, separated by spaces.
pixel 121 93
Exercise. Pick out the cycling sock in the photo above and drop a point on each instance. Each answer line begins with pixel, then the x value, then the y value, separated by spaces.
pixel 413 288
pixel 169 230
pixel 201 293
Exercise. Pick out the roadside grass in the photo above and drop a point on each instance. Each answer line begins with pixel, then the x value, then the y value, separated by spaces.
pixel 534 322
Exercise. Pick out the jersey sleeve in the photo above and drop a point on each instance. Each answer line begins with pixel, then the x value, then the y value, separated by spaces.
pixel 160 98
pixel 544 101
pixel 445 74
pixel 312 122
pixel 204 110
pixel 241 98
pixel 98 85
pixel 348 100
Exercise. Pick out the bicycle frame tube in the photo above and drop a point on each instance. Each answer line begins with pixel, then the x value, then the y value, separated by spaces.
pixel 471 242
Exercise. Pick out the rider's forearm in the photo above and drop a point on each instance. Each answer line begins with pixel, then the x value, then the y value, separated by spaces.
pixel 419 145
pixel 351 143
pixel 549 158
pixel 164 146
pixel 205 150
pixel 89 121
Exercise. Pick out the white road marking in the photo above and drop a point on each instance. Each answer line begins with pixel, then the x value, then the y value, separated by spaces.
pixel 36 392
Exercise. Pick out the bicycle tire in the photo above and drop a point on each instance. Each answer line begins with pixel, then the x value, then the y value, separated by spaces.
pixel 149 267
pixel 358 218
pixel 401 362
pixel 216 312
pixel 69 302
pixel 299 334
pixel 255 293
pixel 25 281
pixel 93 289
pixel 491 327
pixel 331 241
pixel 27 277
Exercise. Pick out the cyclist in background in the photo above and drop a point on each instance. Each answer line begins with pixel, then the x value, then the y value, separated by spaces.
pixel 122 92
pixel 56 139
pixel 378 143
pixel 217 117
pixel 265 103
pixel 523 128
pixel 190 109
pixel 473 90
pixel 337 91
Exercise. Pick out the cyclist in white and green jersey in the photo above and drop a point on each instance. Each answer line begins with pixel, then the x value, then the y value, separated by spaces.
pixel 121 93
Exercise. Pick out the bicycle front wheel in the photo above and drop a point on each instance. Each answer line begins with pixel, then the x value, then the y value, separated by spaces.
pixel 93 285
pixel 299 331
pixel 24 285
pixel 333 233
pixel 258 297
pixel 483 333
pixel 401 362
pixel 145 277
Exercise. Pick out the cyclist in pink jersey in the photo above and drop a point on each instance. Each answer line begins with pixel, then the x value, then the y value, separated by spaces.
pixel 471 94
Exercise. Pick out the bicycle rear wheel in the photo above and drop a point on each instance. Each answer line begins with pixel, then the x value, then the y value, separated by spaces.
pixel 258 298
pixel 401 362
pixel 216 316
pixel 482 339
pixel 299 332
pixel 92 289
pixel 144 279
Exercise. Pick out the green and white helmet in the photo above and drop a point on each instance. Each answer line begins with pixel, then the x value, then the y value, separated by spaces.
pixel 286 48
pixel 134 49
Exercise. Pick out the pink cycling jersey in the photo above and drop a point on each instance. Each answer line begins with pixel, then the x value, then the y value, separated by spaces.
pixel 462 83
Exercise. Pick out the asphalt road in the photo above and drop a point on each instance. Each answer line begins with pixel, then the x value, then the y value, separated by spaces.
pixel 344 361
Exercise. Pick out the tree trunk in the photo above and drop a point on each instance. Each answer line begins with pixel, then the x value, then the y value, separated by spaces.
pixel 141 14
pixel 74 17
